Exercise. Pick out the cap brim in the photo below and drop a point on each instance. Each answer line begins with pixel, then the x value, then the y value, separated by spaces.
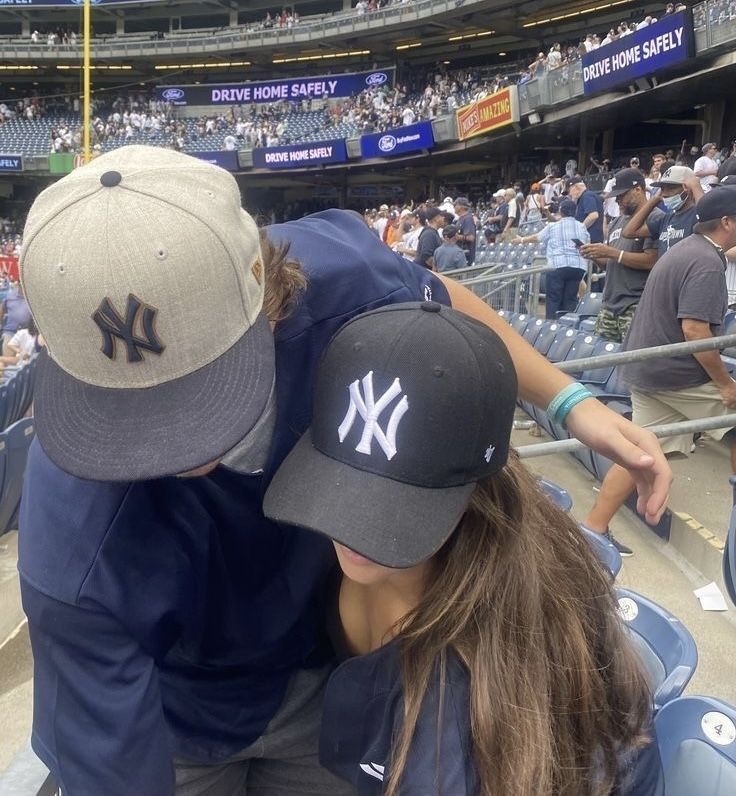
pixel 615 192
pixel 665 183
pixel 392 523
pixel 105 434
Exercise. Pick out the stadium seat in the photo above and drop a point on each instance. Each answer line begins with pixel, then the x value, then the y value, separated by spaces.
pixel 533 330
pixel 599 376
pixel 561 345
pixel 588 307
pixel 606 552
pixel 587 325
pixel 663 642
pixel 521 321
pixel 546 336
pixel 17 440
pixel 729 550
pixel 696 736
pixel 559 496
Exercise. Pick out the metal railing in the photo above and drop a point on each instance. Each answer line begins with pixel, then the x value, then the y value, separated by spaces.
pixel 341 24
pixel 513 289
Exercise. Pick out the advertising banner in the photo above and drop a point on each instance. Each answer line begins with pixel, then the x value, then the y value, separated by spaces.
pixel 666 42
pixel 295 156
pixel 411 138
pixel 291 89
pixel 490 113
pixel 40 3
pixel 224 159
pixel 11 163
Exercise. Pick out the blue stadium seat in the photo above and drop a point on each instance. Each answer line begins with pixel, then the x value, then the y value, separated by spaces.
pixel 606 552
pixel 663 642
pixel 561 345
pixel 520 322
pixel 697 744
pixel 17 440
pixel 547 335
pixel 729 551
pixel 599 376
pixel 533 330
pixel 559 496
pixel 588 307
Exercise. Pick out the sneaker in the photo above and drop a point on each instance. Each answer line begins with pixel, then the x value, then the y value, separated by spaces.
pixel 623 551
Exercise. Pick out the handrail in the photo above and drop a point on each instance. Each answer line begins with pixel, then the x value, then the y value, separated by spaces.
pixel 664 430
pixel 644 354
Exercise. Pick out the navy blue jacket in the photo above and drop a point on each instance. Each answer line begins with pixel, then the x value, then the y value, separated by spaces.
pixel 167 616
pixel 363 713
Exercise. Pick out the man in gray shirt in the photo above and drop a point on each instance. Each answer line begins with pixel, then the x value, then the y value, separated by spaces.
pixel 627 260
pixel 685 298
pixel 449 255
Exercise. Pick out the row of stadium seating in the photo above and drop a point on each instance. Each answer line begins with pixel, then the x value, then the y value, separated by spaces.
pixel 696 735
pixel 33 137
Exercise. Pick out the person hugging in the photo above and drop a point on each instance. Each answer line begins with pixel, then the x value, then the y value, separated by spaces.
pixel 482 653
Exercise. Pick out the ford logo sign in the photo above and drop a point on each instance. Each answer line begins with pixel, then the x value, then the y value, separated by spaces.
pixel 387 143
pixel 376 79
pixel 173 94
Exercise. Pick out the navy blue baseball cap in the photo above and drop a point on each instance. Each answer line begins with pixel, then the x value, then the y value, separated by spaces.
pixel 717 203
pixel 413 405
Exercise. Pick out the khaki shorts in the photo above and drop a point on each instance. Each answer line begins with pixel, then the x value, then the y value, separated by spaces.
pixel 674 406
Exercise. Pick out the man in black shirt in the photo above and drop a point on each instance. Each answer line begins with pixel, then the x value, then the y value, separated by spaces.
pixel 685 298
pixel 429 238
pixel 466 228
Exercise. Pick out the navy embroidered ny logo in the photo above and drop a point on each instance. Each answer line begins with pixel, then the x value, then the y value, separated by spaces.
pixel 114 327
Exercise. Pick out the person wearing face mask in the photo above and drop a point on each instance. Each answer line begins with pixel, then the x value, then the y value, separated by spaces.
pixel 679 190
pixel 627 261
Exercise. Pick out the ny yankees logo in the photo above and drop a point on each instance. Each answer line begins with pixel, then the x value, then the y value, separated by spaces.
pixel 370 410
pixel 114 327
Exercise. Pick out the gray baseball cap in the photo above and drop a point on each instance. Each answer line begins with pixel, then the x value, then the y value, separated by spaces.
pixel 675 175
pixel 144 276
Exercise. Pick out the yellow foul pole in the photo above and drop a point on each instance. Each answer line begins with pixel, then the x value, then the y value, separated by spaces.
pixel 86 89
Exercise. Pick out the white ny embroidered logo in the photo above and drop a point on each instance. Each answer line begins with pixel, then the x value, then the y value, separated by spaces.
pixel 370 410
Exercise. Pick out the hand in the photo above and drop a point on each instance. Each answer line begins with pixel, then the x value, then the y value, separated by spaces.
pixel 635 449
pixel 598 251
pixel 728 395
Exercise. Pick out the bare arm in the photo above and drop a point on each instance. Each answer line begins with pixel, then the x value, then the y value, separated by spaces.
pixel 636 226
pixel 710 361
pixel 601 253
pixel 590 219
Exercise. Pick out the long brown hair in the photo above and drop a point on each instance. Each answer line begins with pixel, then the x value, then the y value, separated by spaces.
pixel 556 692
pixel 285 279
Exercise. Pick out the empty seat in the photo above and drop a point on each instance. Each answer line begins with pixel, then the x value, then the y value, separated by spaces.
pixel 665 645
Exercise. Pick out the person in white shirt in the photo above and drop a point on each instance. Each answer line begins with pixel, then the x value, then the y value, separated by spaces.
pixel 408 116
pixel 706 167
pixel 611 209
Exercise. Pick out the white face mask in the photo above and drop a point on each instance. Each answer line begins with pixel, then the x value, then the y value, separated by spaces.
pixel 250 455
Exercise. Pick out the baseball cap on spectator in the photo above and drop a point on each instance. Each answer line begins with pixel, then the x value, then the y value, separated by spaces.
pixel 575 181
pixel 499 193
pixel 383 207
pixel 675 175
pixel 447 200
pixel 393 215
pixel 462 201
pixel 450 231
pixel 397 499
pixel 567 207
pixel 716 204
pixel 624 180
pixel 111 268
pixel 706 147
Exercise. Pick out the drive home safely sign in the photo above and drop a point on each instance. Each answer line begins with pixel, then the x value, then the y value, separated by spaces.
pixel 646 51
pixel 11 163
pixel 489 113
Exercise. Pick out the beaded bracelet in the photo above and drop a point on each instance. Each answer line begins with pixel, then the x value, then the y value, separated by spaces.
pixel 567 398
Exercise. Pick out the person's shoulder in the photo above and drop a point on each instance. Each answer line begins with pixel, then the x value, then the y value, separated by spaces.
pixel 64 520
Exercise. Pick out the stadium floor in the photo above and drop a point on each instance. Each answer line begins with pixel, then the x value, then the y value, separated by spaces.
pixel 657 570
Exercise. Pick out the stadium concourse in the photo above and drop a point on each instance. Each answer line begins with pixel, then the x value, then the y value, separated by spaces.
pixel 573 166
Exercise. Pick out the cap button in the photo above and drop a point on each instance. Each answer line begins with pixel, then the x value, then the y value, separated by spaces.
pixel 111 178
pixel 430 306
